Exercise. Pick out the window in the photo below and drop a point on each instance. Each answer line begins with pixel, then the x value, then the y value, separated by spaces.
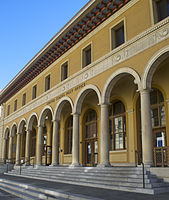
pixel 68 135
pixel 47 83
pixel 117 35
pixel 86 56
pixel 34 92
pixel 64 71
pixel 157 108
pixel 91 124
pixel 158 118
pixel 117 126
pixel 8 110
pixel 23 99
pixel 15 105
pixel 161 9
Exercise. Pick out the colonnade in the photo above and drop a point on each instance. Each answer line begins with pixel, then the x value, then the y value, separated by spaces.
pixel 147 152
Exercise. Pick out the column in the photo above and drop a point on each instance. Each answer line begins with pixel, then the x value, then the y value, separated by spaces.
pixel 147 146
pixel 4 152
pixel 10 149
pixel 55 143
pixel 104 137
pixel 18 148
pixel 75 142
pixel 39 146
pixel 27 150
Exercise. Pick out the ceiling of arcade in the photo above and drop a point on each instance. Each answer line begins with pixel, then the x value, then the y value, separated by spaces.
pixel 161 77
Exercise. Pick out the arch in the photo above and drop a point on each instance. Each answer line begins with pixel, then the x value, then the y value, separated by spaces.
pixel 31 119
pixel 152 65
pixel 7 131
pixel 14 125
pixel 21 125
pixel 117 75
pixel 60 105
pixel 43 114
pixel 82 94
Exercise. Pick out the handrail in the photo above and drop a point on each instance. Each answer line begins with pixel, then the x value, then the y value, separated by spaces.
pixel 12 160
pixel 25 162
pixel 141 162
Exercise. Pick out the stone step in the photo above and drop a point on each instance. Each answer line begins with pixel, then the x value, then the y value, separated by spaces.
pixel 30 192
pixel 92 181
pixel 106 177
pixel 109 178
pixel 100 185
pixel 56 170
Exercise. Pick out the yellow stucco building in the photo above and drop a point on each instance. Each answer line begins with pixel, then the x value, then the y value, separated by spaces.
pixel 97 94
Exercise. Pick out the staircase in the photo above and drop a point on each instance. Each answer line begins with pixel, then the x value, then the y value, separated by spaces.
pixel 115 178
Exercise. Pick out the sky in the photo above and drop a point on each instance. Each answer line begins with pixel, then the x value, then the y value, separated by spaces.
pixel 25 28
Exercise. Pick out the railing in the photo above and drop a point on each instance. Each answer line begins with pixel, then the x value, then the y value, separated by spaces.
pixel 161 156
pixel 140 162
pixel 27 163
pixel 19 162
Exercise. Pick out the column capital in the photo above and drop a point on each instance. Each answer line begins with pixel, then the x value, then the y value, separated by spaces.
pixel 55 120
pixel 146 90
pixel 76 113
pixel 39 126
pixel 104 104
pixel 28 130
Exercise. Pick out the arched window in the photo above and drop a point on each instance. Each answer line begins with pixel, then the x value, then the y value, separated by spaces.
pixel 117 126
pixel 158 118
pixel 68 135
pixel 91 124
pixel 33 143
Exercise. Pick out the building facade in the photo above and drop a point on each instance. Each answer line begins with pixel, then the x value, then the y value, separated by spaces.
pixel 97 94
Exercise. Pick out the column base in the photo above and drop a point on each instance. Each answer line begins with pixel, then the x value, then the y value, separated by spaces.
pixel 75 165
pixel 54 165
pixel 106 164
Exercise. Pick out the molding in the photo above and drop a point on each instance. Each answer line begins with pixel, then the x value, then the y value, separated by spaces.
pixel 143 41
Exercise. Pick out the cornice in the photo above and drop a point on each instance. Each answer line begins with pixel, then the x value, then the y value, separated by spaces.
pixel 62 43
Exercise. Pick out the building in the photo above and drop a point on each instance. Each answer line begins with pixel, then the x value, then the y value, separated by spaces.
pixel 97 94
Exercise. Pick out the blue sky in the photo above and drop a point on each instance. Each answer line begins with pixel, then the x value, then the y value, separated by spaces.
pixel 26 26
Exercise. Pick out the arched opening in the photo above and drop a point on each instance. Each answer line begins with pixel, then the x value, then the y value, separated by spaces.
pixel 68 135
pixel 47 124
pixel 155 76
pixel 90 138
pixel 12 156
pixel 87 106
pixel 119 92
pixel 6 145
pixel 64 118
pixel 33 128
pixel 117 126
pixel 22 132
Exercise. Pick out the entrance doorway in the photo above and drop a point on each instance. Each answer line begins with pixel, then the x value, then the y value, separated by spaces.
pixel 92 151
pixel 90 139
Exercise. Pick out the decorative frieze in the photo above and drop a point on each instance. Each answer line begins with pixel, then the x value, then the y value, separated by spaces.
pixel 145 40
